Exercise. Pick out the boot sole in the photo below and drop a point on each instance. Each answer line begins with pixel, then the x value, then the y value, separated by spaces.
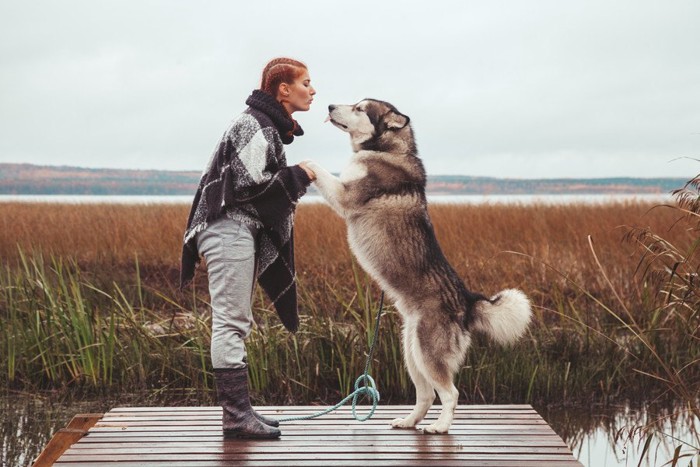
pixel 239 435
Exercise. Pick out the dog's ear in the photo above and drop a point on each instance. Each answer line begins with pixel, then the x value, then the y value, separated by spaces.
pixel 395 120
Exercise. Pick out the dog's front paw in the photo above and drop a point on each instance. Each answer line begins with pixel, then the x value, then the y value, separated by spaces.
pixel 312 165
pixel 403 423
pixel 437 429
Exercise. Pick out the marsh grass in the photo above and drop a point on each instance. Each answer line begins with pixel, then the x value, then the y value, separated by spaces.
pixel 61 330
pixel 89 299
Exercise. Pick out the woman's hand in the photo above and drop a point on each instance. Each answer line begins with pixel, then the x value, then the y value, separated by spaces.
pixel 304 165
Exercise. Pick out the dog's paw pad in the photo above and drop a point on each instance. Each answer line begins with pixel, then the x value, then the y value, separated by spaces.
pixel 402 423
pixel 436 429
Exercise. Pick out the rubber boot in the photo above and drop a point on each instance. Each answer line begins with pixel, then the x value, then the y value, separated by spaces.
pixel 239 419
pixel 266 420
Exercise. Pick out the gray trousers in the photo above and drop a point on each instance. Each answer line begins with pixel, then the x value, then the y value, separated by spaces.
pixel 228 247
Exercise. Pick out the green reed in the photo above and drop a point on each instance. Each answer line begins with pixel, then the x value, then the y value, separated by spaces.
pixel 60 330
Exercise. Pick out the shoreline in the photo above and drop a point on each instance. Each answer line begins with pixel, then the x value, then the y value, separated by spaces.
pixel 547 199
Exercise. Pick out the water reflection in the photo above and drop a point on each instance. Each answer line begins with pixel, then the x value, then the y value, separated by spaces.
pixel 27 424
pixel 625 435
pixel 598 436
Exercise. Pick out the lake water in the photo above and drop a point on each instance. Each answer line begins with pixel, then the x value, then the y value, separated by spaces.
pixel 615 436
pixel 598 436
pixel 436 199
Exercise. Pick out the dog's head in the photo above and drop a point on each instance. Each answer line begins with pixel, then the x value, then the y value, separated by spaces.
pixel 373 125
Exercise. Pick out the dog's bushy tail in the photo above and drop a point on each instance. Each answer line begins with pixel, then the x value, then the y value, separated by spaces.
pixel 504 317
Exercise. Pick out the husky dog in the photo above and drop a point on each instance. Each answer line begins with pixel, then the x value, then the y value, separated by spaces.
pixel 381 196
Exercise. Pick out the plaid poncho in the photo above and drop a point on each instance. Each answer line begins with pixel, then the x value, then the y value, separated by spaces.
pixel 247 178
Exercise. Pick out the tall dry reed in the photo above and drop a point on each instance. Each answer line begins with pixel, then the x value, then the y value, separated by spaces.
pixel 105 277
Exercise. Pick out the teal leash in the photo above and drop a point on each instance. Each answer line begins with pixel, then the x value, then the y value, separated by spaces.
pixel 368 390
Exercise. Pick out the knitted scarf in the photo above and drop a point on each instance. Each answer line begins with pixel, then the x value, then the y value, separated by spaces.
pixel 248 178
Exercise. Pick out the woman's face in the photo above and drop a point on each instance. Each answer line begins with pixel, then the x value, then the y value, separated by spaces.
pixel 299 95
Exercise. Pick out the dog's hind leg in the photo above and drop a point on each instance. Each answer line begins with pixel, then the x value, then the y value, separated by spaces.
pixel 448 396
pixel 442 362
pixel 441 369
pixel 425 394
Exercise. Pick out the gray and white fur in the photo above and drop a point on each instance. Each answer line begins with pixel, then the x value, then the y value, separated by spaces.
pixel 381 196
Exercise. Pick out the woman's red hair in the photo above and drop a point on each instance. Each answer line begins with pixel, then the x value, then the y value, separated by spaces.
pixel 278 71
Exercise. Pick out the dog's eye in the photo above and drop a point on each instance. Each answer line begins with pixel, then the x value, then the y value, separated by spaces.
pixel 359 109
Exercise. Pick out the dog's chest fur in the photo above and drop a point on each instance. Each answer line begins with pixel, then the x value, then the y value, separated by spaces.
pixel 382 210
pixel 356 170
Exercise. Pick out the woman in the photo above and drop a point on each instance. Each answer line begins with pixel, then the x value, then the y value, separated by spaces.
pixel 241 222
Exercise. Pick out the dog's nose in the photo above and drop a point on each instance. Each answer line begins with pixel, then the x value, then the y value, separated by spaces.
pixel 331 108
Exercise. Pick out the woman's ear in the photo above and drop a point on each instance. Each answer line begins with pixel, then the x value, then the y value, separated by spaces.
pixel 283 90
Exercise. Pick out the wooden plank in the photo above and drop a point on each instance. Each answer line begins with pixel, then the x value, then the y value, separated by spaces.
pixel 338 457
pixel 325 463
pixel 84 421
pixel 310 441
pixel 285 450
pixel 65 437
pixel 313 408
pixel 58 444
pixel 312 423
pixel 344 428
pixel 383 417
pixel 335 414
pixel 331 415
pixel 480 435
pixel 384 434
pixel 434 441
pixel 359 434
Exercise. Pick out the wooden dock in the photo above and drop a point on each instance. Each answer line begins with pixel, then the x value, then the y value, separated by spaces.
pixel 482 435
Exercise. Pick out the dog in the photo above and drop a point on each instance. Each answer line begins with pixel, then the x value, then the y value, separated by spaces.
pixel 381 196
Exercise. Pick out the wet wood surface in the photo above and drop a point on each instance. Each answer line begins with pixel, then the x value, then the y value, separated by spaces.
pixel 481 435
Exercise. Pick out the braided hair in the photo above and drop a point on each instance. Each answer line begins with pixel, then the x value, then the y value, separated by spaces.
pixel 282 70
pixel 278 71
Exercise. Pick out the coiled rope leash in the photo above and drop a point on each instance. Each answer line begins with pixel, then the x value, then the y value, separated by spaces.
pixel 366 390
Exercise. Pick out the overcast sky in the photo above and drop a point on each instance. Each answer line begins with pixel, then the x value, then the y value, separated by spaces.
pixel 526 89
